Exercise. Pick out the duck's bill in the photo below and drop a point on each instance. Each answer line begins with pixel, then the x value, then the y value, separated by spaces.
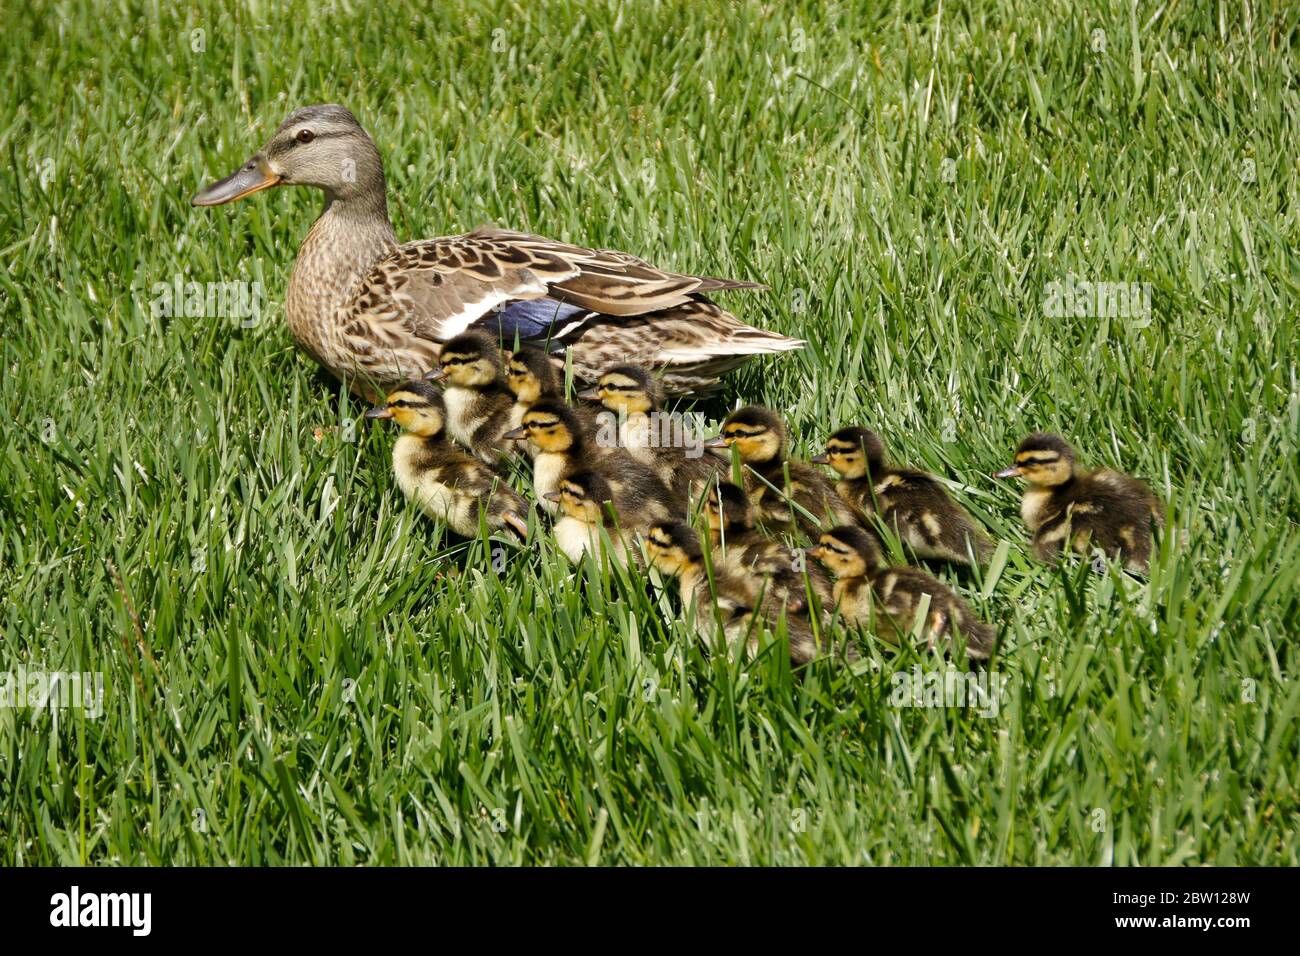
pixel 552 496
pixel 820 459
pixel 252 177
pixel 718 442
pixel 435 375
pixel 589 394
pixel 516 433
pixel 382 411
pixel 1012 472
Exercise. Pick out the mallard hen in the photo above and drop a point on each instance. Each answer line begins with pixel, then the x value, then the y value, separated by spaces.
pixel 375 312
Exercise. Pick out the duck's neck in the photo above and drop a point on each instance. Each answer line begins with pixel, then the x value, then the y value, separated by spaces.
pixel 342 245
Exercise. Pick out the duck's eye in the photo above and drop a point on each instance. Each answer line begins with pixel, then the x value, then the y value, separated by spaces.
pixel 305 136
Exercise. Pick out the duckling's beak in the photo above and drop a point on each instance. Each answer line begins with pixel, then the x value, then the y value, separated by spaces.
pixel 383 411
pixel 436 375
pixel 822 459
pixel 254 176
pixel 716 442
pixel 590 394
pixel 816 553
pixel 516 433
pixel 1012 472
pixel 552 496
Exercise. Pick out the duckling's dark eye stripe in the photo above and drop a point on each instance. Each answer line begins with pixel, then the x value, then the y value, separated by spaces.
pixel 1037 459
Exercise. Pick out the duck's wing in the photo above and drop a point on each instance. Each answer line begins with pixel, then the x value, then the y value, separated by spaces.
pixel 438 288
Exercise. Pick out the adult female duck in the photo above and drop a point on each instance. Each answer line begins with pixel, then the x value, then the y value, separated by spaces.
pixel 374 312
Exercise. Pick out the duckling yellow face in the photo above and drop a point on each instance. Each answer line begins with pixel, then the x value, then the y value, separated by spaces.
pixel 725 506
pixel 628 390
pixel 583 496
pixel 853 452
pixel 847 552
pixel 550 426
pixel 712 514
pixel 672 548
pixel 523 384
pixel 471 360
pixel 755 432
pixel 531 375
pixel 1042 459
pixel 417 407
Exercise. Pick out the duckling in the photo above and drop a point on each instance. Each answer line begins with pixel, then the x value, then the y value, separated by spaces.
pixel 742 549
pixel 916 505
pixel 478 402
pixel 561 448
pixel 673 548
pixel 530 375
pixel 583 499
pixel 437 475
pixel 635 399
pixel 759 435
pixel 869 592
pixel 1084 509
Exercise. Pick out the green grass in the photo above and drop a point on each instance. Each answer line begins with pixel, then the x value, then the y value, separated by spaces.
pixel 300 669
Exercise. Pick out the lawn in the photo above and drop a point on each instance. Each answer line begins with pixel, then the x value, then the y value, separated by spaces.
pixel 299 668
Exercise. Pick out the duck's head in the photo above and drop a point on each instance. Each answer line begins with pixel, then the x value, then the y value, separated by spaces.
pixel 853 452
pixel 321 146
pixel 1042 459
pixel 672 547
pixel 726 507
pixel 583 495
pixel 470 360
pixel 756 432
pixel 416 406
pixel 626 389
pixel 531 375
pixel 552 427
pixel 848 551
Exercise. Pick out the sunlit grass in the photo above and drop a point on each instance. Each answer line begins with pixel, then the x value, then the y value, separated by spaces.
pixel 301 669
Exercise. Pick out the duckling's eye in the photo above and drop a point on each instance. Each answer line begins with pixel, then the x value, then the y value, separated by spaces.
pixel 305 136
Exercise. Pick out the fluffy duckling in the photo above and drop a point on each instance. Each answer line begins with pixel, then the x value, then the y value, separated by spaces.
pixel 583 499
pixel 478 402
pixel 634 397
pixel 759 435
pixel 561 448
pixel 530 375
pixel 673 548
pixel 916 505
pixel 742 549
pixel 440 477
pixel 869 592
pixel 1082 509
